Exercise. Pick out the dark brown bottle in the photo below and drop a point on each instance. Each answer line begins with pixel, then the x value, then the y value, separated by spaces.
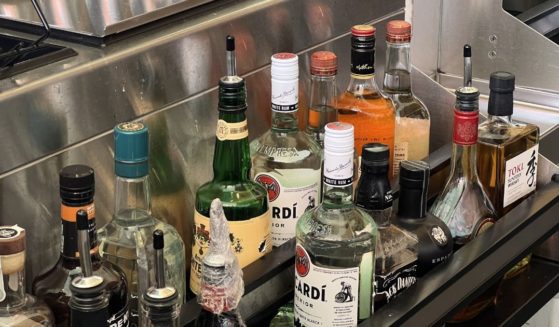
pixel 77 188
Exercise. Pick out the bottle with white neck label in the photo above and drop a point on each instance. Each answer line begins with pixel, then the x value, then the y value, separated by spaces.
pixel 285 160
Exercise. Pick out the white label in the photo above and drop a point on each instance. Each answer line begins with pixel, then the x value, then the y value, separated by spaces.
pixel 285 95
pixel 338 169
pixel 400 154
pixel 291 193
pixel 520 175
pixel 325 297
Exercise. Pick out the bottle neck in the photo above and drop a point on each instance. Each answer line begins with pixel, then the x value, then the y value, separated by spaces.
pixel 69 249
pixel 13 280
pixel 412 202
pixel 232 154
pixel 285 103
pixel 322 106
pixel 464 147
pixel 500 119
pixel 132 201
pixel 374 193
pixel 398 68
pixel 338 180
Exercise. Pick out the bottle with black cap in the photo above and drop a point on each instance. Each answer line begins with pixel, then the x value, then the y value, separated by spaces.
pixel 89 304
pixel 395 257
pixel 77 190
pixel 160 303
pixel 435 243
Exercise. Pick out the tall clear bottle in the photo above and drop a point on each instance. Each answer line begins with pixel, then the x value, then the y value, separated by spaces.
pixel 16 307
pixel 126 240
pixel 363 105
pixel 411 135
pixel 323 98
pixel 286 161
pixel 334 255
pixel 245 202
pixel 463 204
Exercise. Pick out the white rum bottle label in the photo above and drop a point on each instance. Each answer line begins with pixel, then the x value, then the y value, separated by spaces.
pixel 520 175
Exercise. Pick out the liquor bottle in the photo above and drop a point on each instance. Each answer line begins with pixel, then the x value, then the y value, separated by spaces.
pixel 160 303
pixel 245 201
pixel 16 307
pixel 363 105
pixel 323 94
pixel 334 254
pixel 508 153
pixel 126 239
pixel 77 189
pixel 411 135
pixel 396 249
pixel 89 304
pixel 222 283
pixel 286 161
pixel 435 244
pixel 463 205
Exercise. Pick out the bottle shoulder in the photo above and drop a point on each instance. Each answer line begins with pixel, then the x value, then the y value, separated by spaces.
pixel 409 106
pixel 499 132
pixel 240 201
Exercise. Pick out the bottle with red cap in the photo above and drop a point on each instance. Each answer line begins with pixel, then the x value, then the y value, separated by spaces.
pixel 322 106
pixel 363 104
pixel 411 135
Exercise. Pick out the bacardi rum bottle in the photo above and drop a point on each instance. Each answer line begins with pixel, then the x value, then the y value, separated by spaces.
pixel 334 255
pixel 286 161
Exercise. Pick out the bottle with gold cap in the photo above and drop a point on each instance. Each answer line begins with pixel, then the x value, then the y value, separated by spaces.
pixel 16 307
pixel 411 134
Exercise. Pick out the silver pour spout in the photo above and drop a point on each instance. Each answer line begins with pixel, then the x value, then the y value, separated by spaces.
pixel 83 243
pixel 467 65
pixel 231 58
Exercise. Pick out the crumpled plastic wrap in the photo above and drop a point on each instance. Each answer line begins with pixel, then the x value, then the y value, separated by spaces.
pixel 222 278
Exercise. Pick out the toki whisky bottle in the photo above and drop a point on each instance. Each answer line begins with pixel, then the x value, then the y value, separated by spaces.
pixel 245 202
pixel 16 307
pixel 463 205
pixel 286 161
pixel 362 104
pixel 396 249
pixel 222 283
pixel 411 135
pixel 335 245
pixel 323 94
pixel 77 189
pixel 126 240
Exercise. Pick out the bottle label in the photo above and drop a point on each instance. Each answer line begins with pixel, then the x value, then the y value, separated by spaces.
pixel 324 296
pixel 390 285
pixel 231 131
pixel 69 235
pixel 119 319
pixel 465 127
pixel 363 62
pixel 338 169
pixel 285 95
pixel 250 240
pixel 400 154
pixel 291 192
pixel 520 175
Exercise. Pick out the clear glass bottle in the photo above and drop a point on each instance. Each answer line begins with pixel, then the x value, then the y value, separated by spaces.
pixel 463 205
pixel 411 135
pixel 16 307
pixel 396 249
pixel 245 202
pixel 323 94
pixel 508 153
pixel 286 161
pixel 126 239
pixel 222 283
pixel 77 188
pixel 363 105
pixel 334 255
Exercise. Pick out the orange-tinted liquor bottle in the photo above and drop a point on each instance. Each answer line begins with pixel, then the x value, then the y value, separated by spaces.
pixel 363 105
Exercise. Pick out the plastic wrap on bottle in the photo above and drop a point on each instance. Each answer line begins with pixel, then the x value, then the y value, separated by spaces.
pixel 222 278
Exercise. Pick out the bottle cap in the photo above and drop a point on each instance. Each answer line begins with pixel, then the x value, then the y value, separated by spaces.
pixel 158 239
pixel 501 86
pixel 467 98
pixel 398 31
pixel 324 63
pixel 467 50
pixel 338 137
pixel 501 82
pixel 363 30
pixel 77 183
pixel 285 66
pixel 375 155
pixel 12 240
pixel 82 221
pixel 131 150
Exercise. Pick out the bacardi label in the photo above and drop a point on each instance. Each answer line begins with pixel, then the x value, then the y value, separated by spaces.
pixel 324 296
pixel 250 240
pixel 520 175
pixel 291 192
pixel 390 285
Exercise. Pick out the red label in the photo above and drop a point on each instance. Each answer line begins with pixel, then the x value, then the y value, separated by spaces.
pixel 465 127
pixel 302 261
pixel 271 185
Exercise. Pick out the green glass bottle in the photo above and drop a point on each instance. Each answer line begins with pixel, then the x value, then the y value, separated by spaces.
pixel 245 202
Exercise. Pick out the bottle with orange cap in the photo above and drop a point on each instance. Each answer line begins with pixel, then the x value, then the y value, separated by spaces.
pixel 411 134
